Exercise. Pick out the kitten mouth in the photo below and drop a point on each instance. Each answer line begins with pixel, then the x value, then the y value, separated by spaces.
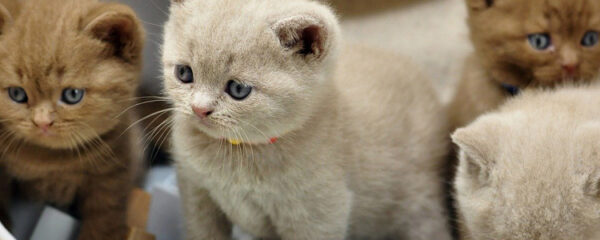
pixel 46 133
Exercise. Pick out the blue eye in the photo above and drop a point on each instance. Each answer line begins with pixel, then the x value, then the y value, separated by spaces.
pixel 590 39
pixel 540 41
pixel 238 91
pixel 184 73
pixel 72 96
pixel 18 94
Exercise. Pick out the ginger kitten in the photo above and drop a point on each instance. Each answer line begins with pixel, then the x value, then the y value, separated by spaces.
pixel 274 134
pixel 69 69
pixel 531 171
pixel 521 44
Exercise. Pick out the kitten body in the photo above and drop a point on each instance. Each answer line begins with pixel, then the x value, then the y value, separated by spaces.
pixel 57 148
pixel 531 169
pixel 500 32
pixel 359 141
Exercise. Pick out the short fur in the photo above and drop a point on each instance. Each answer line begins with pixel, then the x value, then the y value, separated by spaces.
pixel 361 140
pixel 499 31
pixel 85 157
pixel 531 170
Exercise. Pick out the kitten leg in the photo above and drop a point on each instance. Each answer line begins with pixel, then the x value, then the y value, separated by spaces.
pixel 203 217
pixel 320 214
pixel 423 216
pixel 104 206
pixel 5 196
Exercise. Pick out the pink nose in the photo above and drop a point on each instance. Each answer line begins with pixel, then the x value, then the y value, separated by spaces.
pixel 570 68
pixel 44 125
pixel 202 112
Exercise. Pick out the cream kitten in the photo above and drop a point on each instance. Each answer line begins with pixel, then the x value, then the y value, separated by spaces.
pixel 275 135
pixel 531 171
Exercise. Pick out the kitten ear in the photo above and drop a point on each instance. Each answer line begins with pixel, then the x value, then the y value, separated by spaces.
pixel 480 4
pixel 476 148
pixel 118 27
pixel 305 35
pixel 6 18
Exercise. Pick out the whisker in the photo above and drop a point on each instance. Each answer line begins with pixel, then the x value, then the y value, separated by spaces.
pixel 136 105
pixel 144 118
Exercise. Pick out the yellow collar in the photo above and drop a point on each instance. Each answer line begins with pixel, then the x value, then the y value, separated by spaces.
pixel 238 142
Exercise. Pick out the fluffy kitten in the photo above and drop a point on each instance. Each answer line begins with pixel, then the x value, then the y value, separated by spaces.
pixel 522 44
pixel 273 134
pixel 69 69
pixel 532 169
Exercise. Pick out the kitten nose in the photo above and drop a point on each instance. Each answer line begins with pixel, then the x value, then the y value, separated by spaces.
pixel 570 68
pixel 44 125
pixel 202 112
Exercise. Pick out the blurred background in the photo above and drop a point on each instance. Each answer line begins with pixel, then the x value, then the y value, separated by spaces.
pixel 432 33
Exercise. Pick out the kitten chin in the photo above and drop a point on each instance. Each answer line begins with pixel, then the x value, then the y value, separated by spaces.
pixel 360 133
pixel 70 69
pixel 518 180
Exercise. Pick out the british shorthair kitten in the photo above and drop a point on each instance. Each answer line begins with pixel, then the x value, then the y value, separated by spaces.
pixel 276 133
pixel 532 169
pixel 69 69
pixel 521 44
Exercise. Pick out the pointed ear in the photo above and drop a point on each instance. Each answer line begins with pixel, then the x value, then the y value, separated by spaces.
pixel 476 152
pixel 6 14
pixel 118 27
pixel 480 4
pixel 305 35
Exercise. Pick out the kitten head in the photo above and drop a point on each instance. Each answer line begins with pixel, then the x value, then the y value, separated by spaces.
pixel 530 174
pixel 537 42
pixel 68 69
pixel 248 69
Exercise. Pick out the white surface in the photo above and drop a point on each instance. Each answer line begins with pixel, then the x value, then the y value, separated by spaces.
pixel 55 225
pixel 4 235
pixel 165 220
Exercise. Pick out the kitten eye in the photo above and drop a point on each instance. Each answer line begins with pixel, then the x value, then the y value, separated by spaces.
pixel 184 73
pixel 238 91
pixel 72 96
pixel 18 94
pixel 540 41
pixel 590 39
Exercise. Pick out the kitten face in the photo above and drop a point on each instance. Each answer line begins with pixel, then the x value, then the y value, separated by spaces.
pixel 524 182
pixel 238 78
pixel 538 42
pixel 62 86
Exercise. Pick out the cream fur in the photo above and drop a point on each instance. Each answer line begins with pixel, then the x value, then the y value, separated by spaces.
pixel 531 170
pixel 361 140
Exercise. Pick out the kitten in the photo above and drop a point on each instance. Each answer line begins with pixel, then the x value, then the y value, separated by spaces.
pixel 69 69
pixel 521 44
pixel 531 170
pixel 274 134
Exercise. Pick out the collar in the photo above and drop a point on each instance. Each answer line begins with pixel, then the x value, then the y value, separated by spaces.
pixel 510 89
pixel 238 142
